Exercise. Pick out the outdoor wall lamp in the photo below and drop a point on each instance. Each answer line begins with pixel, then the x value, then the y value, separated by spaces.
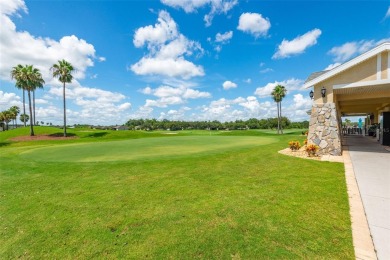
pixel 323 92
pixel 311 94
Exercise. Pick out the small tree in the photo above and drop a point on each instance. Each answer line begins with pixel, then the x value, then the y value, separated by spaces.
pixel 24 118
pixel 28 78
pixel 278 94
pixel 15 110
pixel 63 71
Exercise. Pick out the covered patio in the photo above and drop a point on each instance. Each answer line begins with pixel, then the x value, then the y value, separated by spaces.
pixel 360 86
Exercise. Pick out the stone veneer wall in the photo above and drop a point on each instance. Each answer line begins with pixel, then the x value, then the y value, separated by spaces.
pixel 324 129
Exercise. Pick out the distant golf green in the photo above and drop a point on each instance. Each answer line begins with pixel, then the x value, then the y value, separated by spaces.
pixel 145 148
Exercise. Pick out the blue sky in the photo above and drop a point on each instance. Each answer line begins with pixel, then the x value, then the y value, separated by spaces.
pixel 181 59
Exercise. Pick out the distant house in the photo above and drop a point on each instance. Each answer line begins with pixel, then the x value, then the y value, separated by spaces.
pixel 120 128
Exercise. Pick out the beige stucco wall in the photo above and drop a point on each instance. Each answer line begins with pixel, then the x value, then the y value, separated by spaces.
pixel 384 65
pixel 365 71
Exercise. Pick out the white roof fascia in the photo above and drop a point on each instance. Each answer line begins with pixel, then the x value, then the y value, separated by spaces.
pixel 362 84
pixel 378 49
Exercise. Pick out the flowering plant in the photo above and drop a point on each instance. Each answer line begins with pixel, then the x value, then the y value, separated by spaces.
pixel 311 149
pixel 305 142
pixel 294 145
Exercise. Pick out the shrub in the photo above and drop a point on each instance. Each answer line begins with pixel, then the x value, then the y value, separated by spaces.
pixel 311 149
pixel 294 145
pixel 305 142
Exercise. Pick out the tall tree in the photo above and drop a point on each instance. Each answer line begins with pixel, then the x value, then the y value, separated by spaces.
pixel 15 110
pixel 15 72
pixel 33 100
pixel 28 78
pixel 63 71
pixel 278 94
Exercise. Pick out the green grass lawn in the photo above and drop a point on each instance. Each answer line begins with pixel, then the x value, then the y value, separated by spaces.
pixel 228 195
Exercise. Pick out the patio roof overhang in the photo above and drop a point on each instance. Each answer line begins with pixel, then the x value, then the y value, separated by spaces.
pixel 362 99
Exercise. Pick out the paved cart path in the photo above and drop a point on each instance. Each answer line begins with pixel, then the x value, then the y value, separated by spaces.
pixel 371 164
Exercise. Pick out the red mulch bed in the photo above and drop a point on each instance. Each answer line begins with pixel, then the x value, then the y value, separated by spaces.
pixel 41 138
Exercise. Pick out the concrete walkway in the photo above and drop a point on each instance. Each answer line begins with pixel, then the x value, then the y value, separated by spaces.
pixel 371 165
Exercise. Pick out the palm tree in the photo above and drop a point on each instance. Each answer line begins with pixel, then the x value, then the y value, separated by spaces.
pixel 63 71
pixel 14 74
pixel 2 120
pixel 24 118
pixel 28 78
pixel 6 117
pixel 33 100
pixel 278 94
pixel 15 110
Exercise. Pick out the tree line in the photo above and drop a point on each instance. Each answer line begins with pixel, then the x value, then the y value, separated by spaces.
pixel 252 123
pixel 28 79
pixel 9 115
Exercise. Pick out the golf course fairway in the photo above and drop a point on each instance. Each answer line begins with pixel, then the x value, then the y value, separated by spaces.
pixel 143 149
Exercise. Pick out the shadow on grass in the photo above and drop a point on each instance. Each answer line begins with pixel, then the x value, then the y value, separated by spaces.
pixel 62 134
pixel 4 144
pixel 98 134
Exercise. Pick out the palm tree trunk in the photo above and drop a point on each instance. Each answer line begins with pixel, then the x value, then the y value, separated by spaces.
pixel 34 106
pixel 24 107
pixel 277 105
pixel 29 105
pixel 281 127
pixel 64 111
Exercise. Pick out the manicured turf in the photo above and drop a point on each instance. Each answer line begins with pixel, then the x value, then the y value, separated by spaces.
pixel 249 202
pixel 142 149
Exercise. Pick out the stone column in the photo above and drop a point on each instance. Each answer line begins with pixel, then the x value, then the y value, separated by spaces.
pixel 324 129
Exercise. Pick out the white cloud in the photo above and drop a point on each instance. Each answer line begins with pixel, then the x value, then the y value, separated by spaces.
pixel 332 66
pixel 297 45
pixel 20 47
pixel 168 95
pixel 254 24
pixel 167 48
pixel 166 91
pixel 351 49
pixel 8 100
pixel 387 13
pixel 40 101
pixel 146 91
pixel 194 94
pixel 164 101
pixel 167 67
pixel 142 112
pixel 87 105
pixel 297 111
pixel 290 84
pixel 174 114
pixel 190 6
pixel 266 70
pixel 228 85
pixel 248 80
pixel 164 30
pixel 101 59
pixel 11 7
pixel 224 37
pixel 231 109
